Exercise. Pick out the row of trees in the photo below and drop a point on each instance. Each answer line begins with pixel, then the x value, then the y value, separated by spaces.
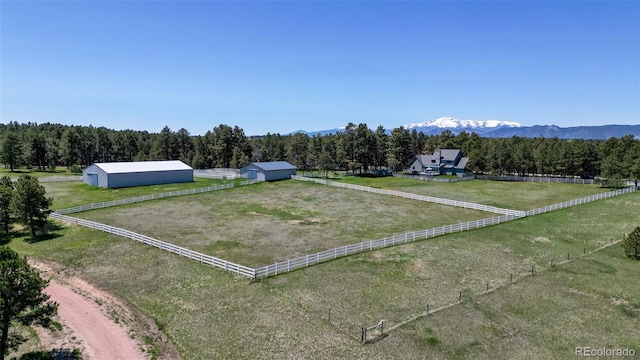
pixel 25 202
pixel 357 147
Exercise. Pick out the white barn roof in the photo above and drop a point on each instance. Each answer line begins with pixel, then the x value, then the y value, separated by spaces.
pixel 142 166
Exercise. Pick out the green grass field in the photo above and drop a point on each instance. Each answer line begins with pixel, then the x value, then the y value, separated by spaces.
pixel 509 195
pixel 74 193
pixel 268 222
pixel 592 301
pixel 60 171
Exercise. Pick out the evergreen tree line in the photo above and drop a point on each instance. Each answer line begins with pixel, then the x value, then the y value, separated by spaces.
pixel 356 148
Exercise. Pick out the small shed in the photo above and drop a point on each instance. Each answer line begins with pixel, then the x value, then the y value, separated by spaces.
pixel 137 173
pixel 268 171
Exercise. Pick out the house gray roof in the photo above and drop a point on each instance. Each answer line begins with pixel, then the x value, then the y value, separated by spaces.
pixel 425 160
pixel 448 154
pixel 142 166
pixel 463 163
pixel 274 165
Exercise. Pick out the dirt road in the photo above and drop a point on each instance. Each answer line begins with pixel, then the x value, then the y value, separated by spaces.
pixel 100 336
pixel 98 323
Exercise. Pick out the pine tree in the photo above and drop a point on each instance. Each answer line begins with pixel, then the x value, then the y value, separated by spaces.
pixel 631 244
pixel 30 204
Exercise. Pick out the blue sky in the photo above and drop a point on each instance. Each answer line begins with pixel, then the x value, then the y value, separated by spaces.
pixel 283 66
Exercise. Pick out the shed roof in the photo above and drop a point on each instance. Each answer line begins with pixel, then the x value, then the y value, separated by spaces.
pixel 274 165
pixel 142 166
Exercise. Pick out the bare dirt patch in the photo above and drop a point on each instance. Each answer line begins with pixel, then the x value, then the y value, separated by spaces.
pixel 541 239
pixel 98 323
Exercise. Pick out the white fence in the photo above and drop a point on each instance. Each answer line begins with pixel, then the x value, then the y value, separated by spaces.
pixel 323 256
pixel 342 251
pixel 434 178
pixel 193 255
pixel 217 173
pixel 55 179
pixel 250 182
pixel 137 199
pixel 536 179
pixel 462 204
pixel 580 201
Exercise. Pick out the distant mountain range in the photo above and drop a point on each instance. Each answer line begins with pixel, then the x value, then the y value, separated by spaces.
pixel 504 129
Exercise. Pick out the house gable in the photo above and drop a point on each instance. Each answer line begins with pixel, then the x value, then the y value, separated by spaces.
pixel 441 162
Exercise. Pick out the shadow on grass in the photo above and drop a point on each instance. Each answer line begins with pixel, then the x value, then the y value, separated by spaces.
pixel 57 354
pixel 50 234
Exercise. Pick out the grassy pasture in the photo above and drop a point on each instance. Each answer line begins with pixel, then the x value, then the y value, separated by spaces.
pixel 74 193
pixel 509 195
pixel 593 301
pixel 60 171
pixel 268 222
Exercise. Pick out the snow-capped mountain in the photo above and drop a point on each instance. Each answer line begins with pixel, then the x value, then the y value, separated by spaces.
pixel 451 123
pixel 504 129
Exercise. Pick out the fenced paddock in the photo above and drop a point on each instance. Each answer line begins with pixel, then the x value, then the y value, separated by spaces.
pixel 341 297
pixel 193 255
pixel 346 250
pixel 584 200
pixel 432 199
pixel 371 245
pixel 138 199
pixel 271 222
pixel 521 196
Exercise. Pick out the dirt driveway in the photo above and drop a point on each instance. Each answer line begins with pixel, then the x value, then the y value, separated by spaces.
pixel 98 323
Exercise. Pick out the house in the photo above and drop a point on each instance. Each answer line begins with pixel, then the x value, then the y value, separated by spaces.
pixel 137 173
pixel 442 162
pixel 268 171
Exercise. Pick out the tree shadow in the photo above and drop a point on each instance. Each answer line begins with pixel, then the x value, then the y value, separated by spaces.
pixel 5 239
pixel 49 234
pixel 55 354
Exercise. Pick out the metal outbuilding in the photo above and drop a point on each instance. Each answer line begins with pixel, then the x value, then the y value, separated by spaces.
pixel 268 171
pixel 137 173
